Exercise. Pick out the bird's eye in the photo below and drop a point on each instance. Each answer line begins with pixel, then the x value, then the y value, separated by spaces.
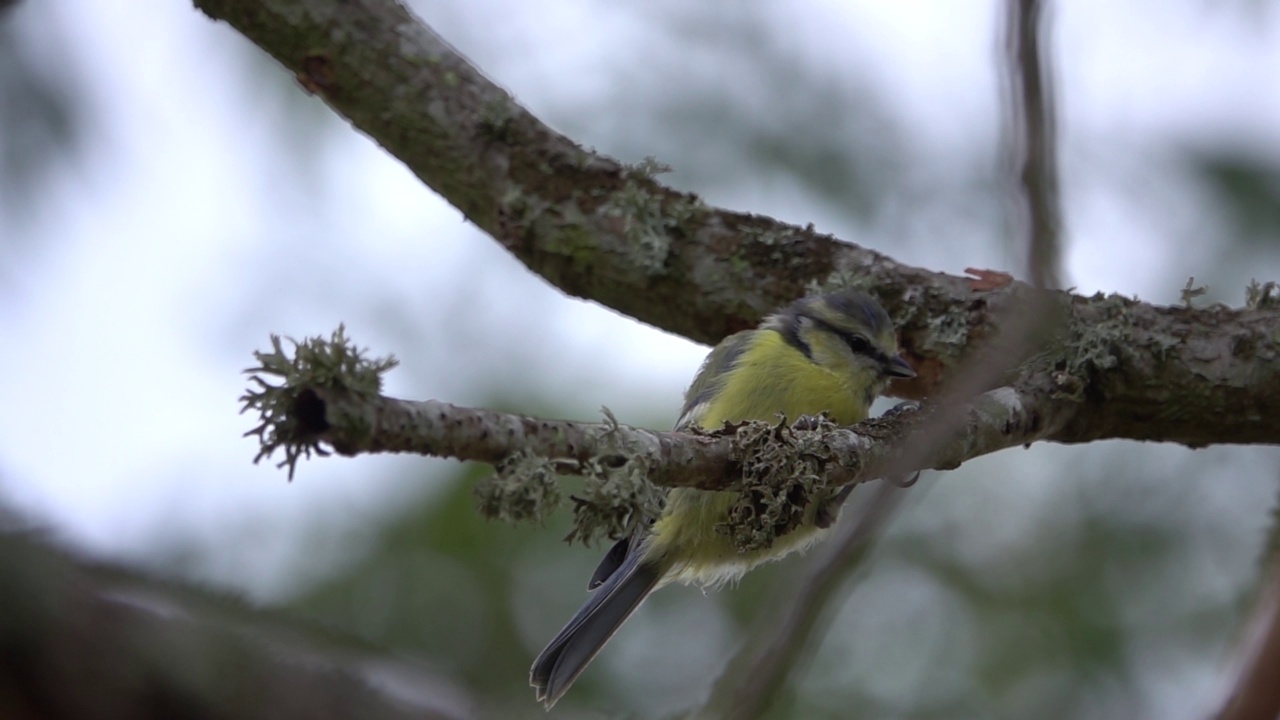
pixel 858 343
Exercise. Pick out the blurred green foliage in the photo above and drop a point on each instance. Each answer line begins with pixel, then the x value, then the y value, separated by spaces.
pixel 1246 191
pixel 1064 625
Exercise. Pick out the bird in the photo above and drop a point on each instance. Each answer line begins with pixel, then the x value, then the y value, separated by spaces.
pixel 832 353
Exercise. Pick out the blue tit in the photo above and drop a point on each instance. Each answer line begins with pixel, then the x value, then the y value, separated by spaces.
pixel 832 353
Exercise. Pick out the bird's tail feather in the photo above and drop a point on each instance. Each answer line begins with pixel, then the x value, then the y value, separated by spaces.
pixel 569 653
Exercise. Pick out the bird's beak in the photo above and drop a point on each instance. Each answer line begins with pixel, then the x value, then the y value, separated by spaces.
pixel 898 368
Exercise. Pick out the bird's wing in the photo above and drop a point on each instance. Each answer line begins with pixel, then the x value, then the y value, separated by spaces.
pixel 711 377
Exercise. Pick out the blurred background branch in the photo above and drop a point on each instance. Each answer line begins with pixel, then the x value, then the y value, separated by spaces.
pixel 1033 138
pixel 85 639
pixel 783 636
pixel 594 227
pixel 1255 694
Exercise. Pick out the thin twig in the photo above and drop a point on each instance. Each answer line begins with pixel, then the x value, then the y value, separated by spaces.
pixel 1033 138
pixel 761 669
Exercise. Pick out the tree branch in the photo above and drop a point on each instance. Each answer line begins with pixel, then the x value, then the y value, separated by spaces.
pixel 590 225
pixel 998 419
pixel 327 393
pixel 600 230
pixel 85 639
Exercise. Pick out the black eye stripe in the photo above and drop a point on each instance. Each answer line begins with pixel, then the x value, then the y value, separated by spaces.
pixel 858 343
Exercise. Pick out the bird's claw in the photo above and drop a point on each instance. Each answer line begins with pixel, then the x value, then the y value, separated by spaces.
pixel 904 406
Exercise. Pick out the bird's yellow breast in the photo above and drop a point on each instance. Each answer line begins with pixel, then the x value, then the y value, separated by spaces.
pixel 770 377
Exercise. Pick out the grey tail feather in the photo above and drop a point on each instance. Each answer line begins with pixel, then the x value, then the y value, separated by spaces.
pixel 569 653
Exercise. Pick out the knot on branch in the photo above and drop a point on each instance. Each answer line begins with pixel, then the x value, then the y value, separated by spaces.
pixel 782 479
pixel 292 393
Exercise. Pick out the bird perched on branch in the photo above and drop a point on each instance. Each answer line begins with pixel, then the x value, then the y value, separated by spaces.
pixel 831 353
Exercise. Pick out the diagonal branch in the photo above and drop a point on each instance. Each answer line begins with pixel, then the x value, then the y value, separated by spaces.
pixel 759 671
pixel 588 224
pixel 600 230
pixel 1255 694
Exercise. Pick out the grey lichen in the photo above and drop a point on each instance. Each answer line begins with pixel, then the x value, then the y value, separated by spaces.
pixel 1262 296
pixel 617 495
pixel 682 210
pixel 780 236
pixel 497 118
pixel 1191 291
pixel 649 168
pixel 943 330
pixel 616 498
pixel 1097 341
pixel 782 470
pixel 644 224
pixel 282 380
pixel 523 208
pixel 524 488
pixel 839 279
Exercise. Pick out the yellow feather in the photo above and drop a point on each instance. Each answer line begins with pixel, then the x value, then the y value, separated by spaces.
pixel 830 354
pixel 772 376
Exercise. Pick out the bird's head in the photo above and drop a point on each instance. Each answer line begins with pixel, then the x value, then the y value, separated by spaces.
pixel 848 333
